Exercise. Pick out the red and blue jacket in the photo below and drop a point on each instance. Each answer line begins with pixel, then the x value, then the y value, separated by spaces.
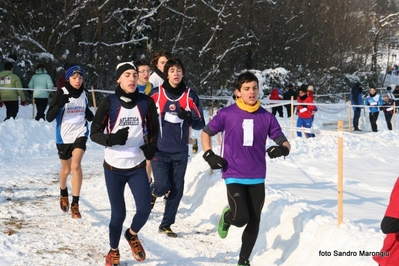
pixel 173 132
pixel 305 111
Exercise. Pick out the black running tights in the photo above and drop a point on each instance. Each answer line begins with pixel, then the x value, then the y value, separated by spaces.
pixel 246 203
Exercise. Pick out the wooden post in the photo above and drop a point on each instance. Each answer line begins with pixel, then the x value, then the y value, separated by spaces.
pixel 340 171
pixel 93 96
pixel 292 116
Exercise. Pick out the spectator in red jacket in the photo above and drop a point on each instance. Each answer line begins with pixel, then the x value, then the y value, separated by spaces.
pixel 276 95
pixel 310 93
pixel 305 112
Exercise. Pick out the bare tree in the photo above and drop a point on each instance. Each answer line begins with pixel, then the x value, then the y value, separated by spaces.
pixel 214 38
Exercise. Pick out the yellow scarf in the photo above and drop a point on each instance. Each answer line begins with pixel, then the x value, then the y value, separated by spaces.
pixel 248 108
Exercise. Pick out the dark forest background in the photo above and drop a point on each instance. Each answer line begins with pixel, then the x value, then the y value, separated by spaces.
pixel 319 42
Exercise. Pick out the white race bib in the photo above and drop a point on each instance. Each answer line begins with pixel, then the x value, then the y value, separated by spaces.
pixel 248 127
pixel 172 118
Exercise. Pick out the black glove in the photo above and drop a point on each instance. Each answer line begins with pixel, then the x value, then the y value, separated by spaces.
pixel 186 116
pixel 214 161
pixel 277 151
pixel 118 138
pixel 89 115
pixel 63 100
pixel 149 151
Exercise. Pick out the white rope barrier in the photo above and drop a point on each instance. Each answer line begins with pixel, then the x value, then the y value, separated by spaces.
pixel 267 102
pixel 338 133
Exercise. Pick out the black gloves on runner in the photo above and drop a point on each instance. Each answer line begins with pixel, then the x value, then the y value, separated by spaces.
pixel 149 151
pixel 89 115
pixel 63 100
pixel 277 151
pixel 186 116
pixel 214 161
pixel 118 138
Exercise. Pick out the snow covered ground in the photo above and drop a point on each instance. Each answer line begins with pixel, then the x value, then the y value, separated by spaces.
pixel 299 219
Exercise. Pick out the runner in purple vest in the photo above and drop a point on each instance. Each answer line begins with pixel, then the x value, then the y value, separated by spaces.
pixel 245 126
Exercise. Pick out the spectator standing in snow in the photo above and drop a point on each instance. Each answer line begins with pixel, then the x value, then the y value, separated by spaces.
pixel 374 100
pixel 310 92
pixel 388 109
pixel 305 112
pixel 69 107
pixel 9 97
pixel 356 98
pixel 246 126
pixel 41 84
pixel 15 69
pixel 395 70
pixel 287 97
pixel 276 95
pixel 389 69
pixel 126 115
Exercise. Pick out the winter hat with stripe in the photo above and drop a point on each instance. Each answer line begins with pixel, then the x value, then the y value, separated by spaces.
pixel 123 66
pixel 73 69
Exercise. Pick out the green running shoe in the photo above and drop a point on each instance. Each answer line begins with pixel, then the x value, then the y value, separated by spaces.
pixel 223 227
pixel 246 263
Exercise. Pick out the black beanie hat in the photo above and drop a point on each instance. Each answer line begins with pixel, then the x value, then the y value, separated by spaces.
pixel 123 66
pixel 303 88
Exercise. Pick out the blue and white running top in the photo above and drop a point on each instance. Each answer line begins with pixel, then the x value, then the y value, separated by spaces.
pixel 71 122
pixel 130 154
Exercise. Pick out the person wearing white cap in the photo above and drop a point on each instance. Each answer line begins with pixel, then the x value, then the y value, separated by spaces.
pixel 126 115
